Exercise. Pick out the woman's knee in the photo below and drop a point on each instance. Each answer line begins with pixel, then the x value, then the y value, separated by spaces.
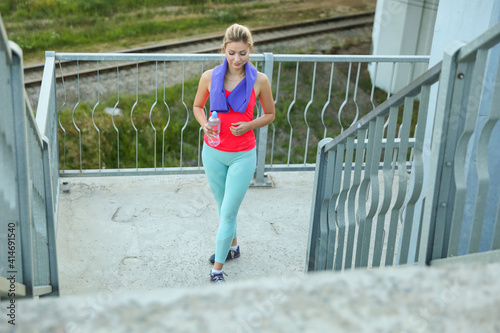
pixel 227 229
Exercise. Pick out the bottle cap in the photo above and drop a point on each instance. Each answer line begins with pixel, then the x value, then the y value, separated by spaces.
pixel 214 114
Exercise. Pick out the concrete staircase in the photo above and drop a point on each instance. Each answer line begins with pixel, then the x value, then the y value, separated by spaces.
pixel 449 298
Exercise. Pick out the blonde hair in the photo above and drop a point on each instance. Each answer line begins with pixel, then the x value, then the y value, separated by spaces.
pixel 237 33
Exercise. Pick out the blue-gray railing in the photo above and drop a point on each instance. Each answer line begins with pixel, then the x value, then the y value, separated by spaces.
pixel 461 215
pixel 274 65
pixel 368 183
pixel 28 186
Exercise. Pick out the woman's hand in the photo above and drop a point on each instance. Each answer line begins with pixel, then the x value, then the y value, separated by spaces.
pixel 209 130
pixel 240 128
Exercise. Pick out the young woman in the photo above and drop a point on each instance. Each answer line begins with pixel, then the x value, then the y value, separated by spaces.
pixel 233 88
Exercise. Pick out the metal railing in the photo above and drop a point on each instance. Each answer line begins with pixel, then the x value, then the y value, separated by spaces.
pixel 463 150
pixel 314 95
pixel 28 185
pixel 367 181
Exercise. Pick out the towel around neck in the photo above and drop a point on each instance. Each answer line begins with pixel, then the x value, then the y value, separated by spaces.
pixel 238 98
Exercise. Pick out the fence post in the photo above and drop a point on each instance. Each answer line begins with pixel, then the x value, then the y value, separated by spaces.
pixel 51 213
pixel 26 272
pixel 260 179
pixel 46 119
pixel 318 234
pixel 437 210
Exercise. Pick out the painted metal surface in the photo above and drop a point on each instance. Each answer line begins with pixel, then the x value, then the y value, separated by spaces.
pixel 380 200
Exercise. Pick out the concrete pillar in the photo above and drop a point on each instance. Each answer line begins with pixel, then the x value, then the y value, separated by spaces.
pixel 401 28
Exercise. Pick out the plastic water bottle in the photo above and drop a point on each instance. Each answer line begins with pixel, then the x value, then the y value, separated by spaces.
pixel 214 124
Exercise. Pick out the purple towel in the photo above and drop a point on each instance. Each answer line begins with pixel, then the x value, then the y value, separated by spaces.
pixel 238 98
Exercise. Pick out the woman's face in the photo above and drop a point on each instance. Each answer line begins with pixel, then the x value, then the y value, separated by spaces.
pixel 237 54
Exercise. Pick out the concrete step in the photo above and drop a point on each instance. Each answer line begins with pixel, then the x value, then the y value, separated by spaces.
pixel 449 298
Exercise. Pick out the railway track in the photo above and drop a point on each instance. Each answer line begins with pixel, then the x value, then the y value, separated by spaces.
pixel 33 74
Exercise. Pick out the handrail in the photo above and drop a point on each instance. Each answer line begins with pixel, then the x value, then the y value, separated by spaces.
pixel 485 41
pixel 430 77
pixel 4 42
pixel 253 57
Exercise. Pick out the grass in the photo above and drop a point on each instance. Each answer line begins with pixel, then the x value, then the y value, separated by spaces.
pixel 109 25
pixel 134 146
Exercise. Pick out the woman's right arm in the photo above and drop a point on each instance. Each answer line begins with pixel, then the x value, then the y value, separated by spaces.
pixel 201 97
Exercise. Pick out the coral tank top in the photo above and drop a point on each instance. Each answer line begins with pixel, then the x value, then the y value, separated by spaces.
pixel 228 141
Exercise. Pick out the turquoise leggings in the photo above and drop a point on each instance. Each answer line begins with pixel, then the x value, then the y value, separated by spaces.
pixel 228 175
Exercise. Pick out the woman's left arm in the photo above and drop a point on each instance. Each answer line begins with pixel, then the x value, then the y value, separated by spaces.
pixel 263 89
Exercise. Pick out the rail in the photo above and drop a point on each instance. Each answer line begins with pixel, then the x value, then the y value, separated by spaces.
pixel 364 215
pixel 211 44
pixel 148 128
pixel 28 187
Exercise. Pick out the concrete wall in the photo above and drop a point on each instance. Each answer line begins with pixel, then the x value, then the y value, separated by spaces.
pixel 401 28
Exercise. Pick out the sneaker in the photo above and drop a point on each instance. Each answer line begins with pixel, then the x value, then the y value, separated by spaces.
pixel 217 278
pixel 231 255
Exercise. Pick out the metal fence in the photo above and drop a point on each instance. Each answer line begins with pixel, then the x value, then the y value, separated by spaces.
pixel 467 112
pixel 368 180
pixel 28 186
pixel 315 95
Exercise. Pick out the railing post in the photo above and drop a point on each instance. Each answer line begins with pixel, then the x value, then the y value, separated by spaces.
pixel 260 179
pixel 51 214
pixel 26 270
pixel 438 200
pixel 317 246
pixel 46 119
